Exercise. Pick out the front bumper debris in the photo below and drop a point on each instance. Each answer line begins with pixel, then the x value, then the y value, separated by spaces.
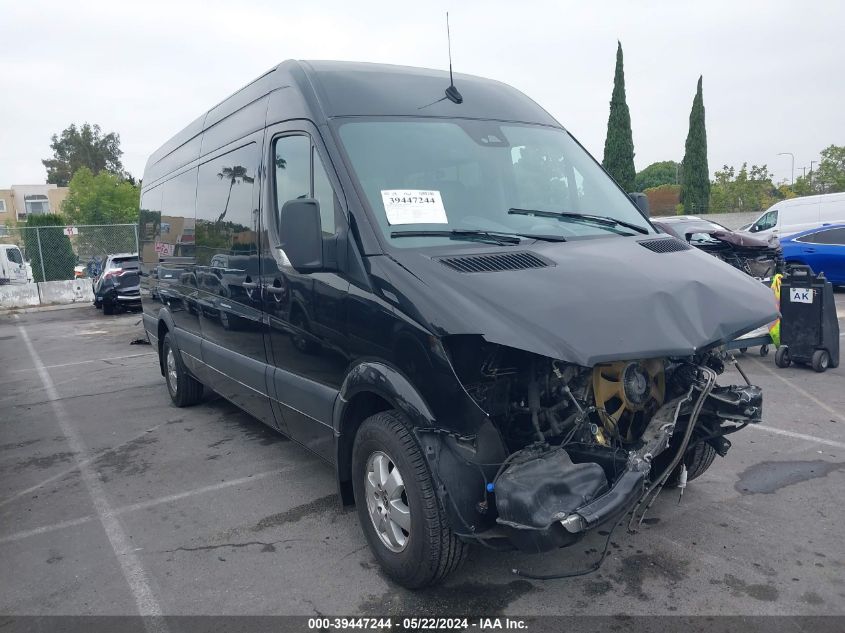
pixel 549 498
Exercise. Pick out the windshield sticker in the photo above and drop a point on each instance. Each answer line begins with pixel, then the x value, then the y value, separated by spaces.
pixel 413 206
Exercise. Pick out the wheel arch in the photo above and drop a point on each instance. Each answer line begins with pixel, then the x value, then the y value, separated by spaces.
pixel 371 387
pixel 164 326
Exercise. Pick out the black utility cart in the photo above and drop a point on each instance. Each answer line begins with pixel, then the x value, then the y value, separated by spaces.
pixel 809 330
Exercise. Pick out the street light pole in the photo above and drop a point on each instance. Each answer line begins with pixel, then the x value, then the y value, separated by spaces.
pixel 804 169
pixel 793 163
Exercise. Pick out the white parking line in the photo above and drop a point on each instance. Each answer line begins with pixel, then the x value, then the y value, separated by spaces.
pixel 143 505
pixel 803 392
pixel 800 436
pixel 83 362
pixel 130 564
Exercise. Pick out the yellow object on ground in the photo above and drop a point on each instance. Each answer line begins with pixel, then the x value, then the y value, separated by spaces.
pixel 774 328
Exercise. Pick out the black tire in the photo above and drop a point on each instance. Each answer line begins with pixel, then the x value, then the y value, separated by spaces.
pixel 782 358
pixel 184 389
pixel 108 307
pixel 431 551
pixel 742 350
pixel 764 350
pixel 697 460
pixel 821 360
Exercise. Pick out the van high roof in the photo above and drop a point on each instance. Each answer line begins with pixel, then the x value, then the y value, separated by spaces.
pixel 322 90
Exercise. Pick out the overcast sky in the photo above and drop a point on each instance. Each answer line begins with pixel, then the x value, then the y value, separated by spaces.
pixel 773 71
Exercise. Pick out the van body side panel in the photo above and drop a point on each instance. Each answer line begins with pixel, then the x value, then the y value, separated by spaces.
pixel 228 270
pixel 177 259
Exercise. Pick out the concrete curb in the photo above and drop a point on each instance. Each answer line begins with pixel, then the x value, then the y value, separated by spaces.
pixel 48 308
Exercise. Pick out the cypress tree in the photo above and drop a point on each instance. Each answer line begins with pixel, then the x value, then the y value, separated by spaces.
pixel 695 181
pixel 619 144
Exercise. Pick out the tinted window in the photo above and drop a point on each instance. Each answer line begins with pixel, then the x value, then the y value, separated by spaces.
pixel 830 236
pixel 178 214
pixel 292 161
pixel 293 156
pixel 14 255
pixel 125 262
pixel 227 220
pixel 324 194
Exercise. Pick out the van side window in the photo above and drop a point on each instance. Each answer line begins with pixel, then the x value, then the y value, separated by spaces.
pixel 14 255
pixel 324 194
pixel 294 157
pixel 768 221
pixel 227 224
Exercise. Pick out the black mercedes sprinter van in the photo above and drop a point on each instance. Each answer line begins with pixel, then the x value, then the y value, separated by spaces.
pixel 445 297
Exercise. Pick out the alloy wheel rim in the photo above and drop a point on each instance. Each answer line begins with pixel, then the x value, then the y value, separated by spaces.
pixel 172 378
pixel 387 501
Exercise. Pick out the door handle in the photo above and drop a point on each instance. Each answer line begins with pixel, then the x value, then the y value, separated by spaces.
pixel 249 285
pixel 809 250
pixel 275 290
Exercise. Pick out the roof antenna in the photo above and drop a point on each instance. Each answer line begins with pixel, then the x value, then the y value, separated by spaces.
pixel 451 92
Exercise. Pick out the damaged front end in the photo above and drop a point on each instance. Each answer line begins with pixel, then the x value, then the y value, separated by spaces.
pixel 758 258
pixel 586 445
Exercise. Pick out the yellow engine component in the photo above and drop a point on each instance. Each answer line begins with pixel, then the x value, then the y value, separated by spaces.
pixel 627 393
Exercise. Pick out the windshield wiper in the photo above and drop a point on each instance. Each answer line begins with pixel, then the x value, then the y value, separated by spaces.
pixel 585 217
pixel 462 234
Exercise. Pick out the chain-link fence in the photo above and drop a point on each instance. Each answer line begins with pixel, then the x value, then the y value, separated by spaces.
pixel 53 253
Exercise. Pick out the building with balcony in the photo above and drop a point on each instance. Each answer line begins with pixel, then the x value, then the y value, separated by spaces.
pixel 21 201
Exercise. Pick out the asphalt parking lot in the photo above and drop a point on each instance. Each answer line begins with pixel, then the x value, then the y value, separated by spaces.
pixel 111 498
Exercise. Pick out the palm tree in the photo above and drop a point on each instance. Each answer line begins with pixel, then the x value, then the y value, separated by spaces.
pixel 235 175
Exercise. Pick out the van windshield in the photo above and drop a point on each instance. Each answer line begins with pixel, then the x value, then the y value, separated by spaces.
pixel 427 178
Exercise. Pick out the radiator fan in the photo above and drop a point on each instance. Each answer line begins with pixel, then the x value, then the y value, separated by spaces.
pixel 627 394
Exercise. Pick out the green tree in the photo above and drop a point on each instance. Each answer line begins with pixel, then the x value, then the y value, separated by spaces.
pixel 85 146
pixel 619 144
pixel 695 185
pixel 743 190
pixel 831 171
pixel 663 173
pixel 59 258
pixel 103 198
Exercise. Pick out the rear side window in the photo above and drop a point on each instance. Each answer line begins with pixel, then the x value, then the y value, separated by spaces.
pixel 14 255
pixel 125 262
pixel 830 236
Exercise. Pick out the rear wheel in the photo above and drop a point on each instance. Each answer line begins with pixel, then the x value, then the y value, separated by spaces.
pixel 184 389
pixel 398 509
pixel 820 360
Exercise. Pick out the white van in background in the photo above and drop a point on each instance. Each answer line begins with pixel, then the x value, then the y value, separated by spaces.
pixel 799 214
pixel 13 269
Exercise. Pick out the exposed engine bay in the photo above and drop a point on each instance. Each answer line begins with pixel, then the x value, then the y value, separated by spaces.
pixel 587 444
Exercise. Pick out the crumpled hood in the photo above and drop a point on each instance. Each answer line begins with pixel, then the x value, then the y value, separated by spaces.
pixel 599 300
pixel 744 240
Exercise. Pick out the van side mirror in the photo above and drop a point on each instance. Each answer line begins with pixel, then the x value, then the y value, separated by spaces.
pixel 641 200
pixel 301 234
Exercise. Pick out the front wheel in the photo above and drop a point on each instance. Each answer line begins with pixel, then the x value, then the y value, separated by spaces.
pixel 782 358
pixel 398 508
pixel 697 460
pixel 184 389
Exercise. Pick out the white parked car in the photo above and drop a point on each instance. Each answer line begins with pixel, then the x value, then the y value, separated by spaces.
pixel 791 216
